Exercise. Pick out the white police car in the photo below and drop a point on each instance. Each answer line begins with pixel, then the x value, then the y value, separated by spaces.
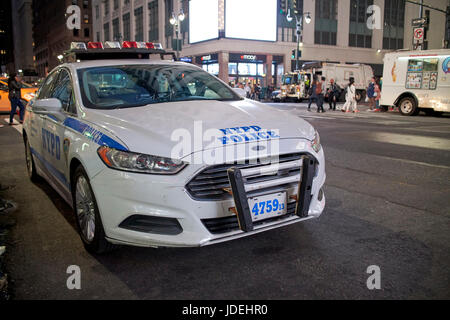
pixel 161 153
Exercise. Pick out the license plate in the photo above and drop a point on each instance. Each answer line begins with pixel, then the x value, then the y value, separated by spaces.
pixel 268 206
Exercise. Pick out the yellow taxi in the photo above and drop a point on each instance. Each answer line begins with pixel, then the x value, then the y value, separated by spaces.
pixel 27 93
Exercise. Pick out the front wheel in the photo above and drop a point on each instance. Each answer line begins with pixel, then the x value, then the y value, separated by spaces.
pixel 408 107
pixel 31 168
pixel 87 215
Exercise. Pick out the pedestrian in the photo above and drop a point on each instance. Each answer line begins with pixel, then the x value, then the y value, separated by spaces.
pixel 370 94
pixel 321 89
pixel 248 90
pixel 350 97
pixel 377 95
pixel 333 94
pixel 312 93
pixel 14 86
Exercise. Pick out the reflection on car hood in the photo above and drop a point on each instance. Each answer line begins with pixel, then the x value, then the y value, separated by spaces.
pixel 157 128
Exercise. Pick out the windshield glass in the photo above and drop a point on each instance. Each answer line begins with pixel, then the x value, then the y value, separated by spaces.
pixel 139 85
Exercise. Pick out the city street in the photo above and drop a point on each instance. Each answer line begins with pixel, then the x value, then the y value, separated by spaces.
pixel 387 204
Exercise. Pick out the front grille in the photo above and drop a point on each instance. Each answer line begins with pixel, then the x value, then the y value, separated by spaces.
pixel 212 183
pixel 228 224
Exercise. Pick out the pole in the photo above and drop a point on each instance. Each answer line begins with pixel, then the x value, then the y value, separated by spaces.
pixel 421 9
pixel 298 31
pixel 176 31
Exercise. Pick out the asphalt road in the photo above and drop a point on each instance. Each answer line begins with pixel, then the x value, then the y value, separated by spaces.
pixel 388 204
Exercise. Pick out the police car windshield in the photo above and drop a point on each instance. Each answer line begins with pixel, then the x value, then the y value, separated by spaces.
pixel 125 86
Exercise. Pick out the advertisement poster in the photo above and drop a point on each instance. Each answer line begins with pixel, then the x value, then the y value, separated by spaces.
pixel 414 80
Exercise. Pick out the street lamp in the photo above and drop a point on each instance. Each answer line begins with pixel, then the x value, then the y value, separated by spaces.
pixel 175 21
pixel 299 27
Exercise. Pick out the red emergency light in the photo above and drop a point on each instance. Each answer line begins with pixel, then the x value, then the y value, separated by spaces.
pixel 129 44
pixel 95 45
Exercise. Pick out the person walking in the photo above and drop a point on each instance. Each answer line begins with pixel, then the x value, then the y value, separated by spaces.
pixel 370 94
pixel 14 86
pixel 321 88
pixel 377 95
pixel 333 94
pixel 350 97
pixel 312 93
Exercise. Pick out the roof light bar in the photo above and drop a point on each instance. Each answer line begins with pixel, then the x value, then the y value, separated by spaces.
pixel 78 45
pixel 112 45
pixel 95 45
pixel 158 46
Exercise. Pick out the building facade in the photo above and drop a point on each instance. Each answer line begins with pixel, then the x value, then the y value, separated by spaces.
pixel 51 35
pixel 23 36
pixel 6 46
pixel 338 32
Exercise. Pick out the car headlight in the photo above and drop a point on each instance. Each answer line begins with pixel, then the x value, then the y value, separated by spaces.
pixel 315 143
pixel 138 162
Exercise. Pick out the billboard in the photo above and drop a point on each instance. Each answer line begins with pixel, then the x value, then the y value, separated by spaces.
pixel 251 19
pixel 203 20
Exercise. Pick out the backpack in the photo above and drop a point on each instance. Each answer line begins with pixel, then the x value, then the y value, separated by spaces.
pixel 318 88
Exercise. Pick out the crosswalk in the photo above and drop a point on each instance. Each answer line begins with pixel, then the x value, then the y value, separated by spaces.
pixel 16 125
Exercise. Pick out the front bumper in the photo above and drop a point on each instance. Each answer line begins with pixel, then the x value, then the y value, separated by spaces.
pixel 120 195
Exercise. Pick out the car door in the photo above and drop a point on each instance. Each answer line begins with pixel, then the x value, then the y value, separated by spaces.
pixel 5 105
pixel 55 130
pixel 35 133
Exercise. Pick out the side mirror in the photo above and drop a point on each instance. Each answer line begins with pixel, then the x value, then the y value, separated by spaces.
pixel 47 106
pixel 240 92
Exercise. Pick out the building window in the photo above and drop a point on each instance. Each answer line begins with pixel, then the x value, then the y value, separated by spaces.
pixel 359 35
pixel 125 2
pixel 326 22
pixel 116 4
pixel 116 32
pixel 86 32
pixel 76 32
pixel 86 18
pixel 153 31
pixel 126 27
pixel 168 14
pixel 139 21
pixel 394 21
pixel 97 12
pixel 98 37
pixel 85 4
pixel 106 32
pixel 106 7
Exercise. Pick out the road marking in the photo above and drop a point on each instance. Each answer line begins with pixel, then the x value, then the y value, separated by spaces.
pixel 411 140
pixel 17 125
pixel 415 162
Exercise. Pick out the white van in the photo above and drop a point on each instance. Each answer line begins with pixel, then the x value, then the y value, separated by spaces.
pixel 341 73
pixel 417 80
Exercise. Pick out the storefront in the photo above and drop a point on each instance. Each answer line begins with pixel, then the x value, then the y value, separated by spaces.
pixel 209 63
pixel 244 68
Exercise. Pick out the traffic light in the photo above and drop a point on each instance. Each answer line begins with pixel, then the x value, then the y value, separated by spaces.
pixel 283 6
pixel 293 54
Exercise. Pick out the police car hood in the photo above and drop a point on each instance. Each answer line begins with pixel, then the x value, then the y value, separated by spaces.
pixel 157 128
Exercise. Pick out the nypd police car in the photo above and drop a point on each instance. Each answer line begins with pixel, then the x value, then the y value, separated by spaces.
pixel 161 153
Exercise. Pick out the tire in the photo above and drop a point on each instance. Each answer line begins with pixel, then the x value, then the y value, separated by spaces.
pixel 31 167
pixel 87 215
pixel 408 106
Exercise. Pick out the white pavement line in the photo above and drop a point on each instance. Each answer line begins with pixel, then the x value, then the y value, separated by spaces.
pixel 315 117
pixel 411 140
pixel 16 125
pixel 415 162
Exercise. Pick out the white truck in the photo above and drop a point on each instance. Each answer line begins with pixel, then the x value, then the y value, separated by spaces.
pixel 417 80
pixel 341 73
